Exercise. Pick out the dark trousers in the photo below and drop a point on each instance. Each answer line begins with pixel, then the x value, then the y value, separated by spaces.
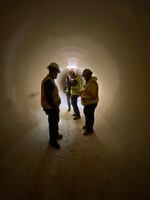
pixel 89 116
pixel 74 100
pixel 53 120
pixel 68 101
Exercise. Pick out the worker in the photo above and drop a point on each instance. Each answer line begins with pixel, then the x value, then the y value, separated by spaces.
pixel 67 91
pixel 50 102
pixel 75 83
pixel 89 99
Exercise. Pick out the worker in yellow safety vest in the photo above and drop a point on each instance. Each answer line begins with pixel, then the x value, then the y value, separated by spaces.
pixel 50 102
pixel 89 99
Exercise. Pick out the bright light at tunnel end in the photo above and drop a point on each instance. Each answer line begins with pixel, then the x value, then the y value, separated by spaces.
pixel 71 67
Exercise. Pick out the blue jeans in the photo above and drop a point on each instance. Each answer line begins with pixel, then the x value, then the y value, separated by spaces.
pixel 74 100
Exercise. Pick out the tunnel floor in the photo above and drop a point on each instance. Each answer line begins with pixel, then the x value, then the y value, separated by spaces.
pixel 84 167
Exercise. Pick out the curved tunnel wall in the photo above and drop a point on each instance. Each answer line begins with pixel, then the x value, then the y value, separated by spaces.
pixel 111 39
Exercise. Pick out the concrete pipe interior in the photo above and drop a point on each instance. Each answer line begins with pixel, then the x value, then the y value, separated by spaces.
pixel 112 39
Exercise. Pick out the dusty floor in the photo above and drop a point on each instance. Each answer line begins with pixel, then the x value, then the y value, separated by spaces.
pixel 86 167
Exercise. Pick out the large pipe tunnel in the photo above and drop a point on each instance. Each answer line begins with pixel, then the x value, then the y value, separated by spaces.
pixel 110 38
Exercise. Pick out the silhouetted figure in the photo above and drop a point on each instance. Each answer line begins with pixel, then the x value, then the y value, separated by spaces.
pixel 50 101
pixel 89 99
pixel 75 83
pixel 67 91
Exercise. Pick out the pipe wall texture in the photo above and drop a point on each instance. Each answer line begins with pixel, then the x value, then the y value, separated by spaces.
pixel 112 39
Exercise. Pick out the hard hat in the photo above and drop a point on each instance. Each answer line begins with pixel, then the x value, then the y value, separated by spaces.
pixel 86 71
pixel 53 65
pixel 71 73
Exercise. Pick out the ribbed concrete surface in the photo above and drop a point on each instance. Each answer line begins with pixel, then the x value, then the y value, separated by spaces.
pixel 113 40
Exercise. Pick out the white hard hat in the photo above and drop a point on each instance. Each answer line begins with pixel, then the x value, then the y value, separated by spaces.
pixel 71 73
pixel 53 65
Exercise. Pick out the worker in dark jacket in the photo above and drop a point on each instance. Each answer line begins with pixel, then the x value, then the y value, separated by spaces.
pixel 67 91
pixel 50 102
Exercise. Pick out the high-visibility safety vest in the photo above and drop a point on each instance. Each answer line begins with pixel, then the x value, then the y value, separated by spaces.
pixel 75 90
pixel 89 95
pixel 55 94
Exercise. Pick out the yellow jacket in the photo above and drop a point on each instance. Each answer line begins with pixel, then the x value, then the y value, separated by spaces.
pixel 89 94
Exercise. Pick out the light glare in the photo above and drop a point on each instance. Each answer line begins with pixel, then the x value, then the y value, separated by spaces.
pixel 71 67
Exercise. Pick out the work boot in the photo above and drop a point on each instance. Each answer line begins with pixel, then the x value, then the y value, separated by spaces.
pixel 88 132
pixel 77 117
pixel 84 127
pixel 55 145
pixel 59 137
